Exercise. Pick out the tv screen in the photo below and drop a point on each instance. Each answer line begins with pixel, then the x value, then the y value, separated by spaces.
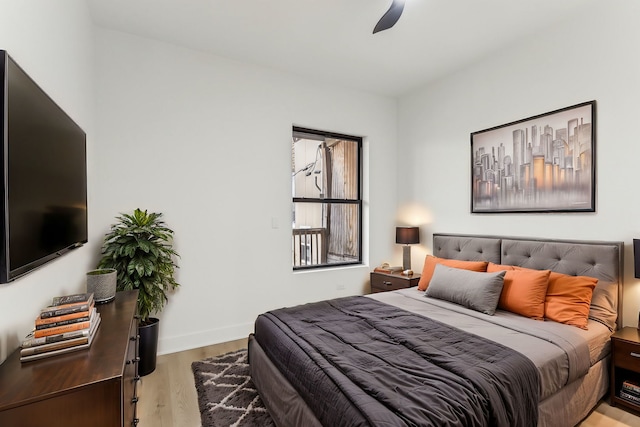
pixel 44 193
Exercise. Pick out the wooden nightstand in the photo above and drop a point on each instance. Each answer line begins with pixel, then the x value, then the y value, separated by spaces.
pixel 382 282
pixel 625 365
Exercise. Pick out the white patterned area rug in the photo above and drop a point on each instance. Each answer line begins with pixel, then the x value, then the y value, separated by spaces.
pixel 226 394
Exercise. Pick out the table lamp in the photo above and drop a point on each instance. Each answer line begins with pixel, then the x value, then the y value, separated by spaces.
pixel 407 236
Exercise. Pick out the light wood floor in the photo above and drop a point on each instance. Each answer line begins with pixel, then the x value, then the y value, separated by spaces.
pixel 168 395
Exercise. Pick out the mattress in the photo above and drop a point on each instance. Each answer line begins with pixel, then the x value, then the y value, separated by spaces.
pixel 562 353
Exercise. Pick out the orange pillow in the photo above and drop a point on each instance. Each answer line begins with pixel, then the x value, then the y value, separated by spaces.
pixel 524 290
pixel 569 298
pixel 430 264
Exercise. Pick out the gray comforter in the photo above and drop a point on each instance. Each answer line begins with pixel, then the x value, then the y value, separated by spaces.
pixel 359 362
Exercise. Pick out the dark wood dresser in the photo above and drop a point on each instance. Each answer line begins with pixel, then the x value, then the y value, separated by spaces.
pixel 92 387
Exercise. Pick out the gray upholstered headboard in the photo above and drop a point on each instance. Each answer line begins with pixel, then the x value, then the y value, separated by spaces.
pixel 602 260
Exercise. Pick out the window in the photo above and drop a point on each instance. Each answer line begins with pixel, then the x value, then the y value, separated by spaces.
pixel 327 202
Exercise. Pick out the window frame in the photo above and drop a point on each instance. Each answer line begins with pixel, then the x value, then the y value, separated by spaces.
pixel 327 201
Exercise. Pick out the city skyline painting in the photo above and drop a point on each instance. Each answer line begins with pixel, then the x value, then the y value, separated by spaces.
pixel 544 163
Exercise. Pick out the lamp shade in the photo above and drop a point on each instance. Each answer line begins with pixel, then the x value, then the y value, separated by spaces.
pixel 636 258
pixel 407 235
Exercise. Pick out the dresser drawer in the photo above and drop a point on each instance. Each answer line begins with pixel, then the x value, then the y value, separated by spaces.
pixel 626 355
pixel 390 282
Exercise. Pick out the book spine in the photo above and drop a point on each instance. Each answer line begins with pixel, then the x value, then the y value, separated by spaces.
pixel 55 319
pixel 56 311
pixel 630 397
pixel 53 352
pixel 32 341
pixel 389 270
pixel 55 346
pixel 631 387
pixel 62 329
pixel 71 299
pixel 62 323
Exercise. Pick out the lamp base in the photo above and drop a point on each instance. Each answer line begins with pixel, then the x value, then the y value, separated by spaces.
pixel 406 257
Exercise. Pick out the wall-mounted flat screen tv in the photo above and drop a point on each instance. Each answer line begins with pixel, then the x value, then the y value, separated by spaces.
pixel 44 176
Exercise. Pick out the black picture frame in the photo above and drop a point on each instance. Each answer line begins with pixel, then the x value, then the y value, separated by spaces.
pixel 544 163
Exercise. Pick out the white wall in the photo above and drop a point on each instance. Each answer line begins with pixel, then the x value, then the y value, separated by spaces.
pixel 207 142
pixel 591 57
pixel 52 42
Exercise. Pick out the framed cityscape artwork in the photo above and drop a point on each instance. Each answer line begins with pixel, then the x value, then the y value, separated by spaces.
pixel 544 163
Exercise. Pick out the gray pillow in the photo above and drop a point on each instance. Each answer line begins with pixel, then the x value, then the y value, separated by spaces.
pixel 471 289
pixel 603 304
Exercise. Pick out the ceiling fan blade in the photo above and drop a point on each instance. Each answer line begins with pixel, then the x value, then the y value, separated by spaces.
pixel 390 18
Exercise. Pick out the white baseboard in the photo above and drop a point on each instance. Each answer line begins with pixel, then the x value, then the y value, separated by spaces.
pixel 198 339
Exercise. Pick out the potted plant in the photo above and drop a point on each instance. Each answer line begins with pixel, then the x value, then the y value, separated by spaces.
pixel 139 247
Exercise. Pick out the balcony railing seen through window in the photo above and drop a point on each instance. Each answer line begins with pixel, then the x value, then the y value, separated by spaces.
pixel 327 205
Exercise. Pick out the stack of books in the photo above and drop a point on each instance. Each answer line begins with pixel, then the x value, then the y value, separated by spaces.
pixel 68 324
pixel 630 392
pixel 387 269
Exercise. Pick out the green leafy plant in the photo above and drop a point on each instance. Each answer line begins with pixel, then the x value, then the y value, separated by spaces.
pixel 140 248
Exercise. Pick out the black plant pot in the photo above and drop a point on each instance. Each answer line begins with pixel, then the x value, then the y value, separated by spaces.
pixel 148 345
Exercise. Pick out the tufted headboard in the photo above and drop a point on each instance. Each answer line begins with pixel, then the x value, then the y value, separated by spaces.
pixel 602 260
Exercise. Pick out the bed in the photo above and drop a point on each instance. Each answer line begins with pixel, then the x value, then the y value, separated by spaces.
pixel 427 357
